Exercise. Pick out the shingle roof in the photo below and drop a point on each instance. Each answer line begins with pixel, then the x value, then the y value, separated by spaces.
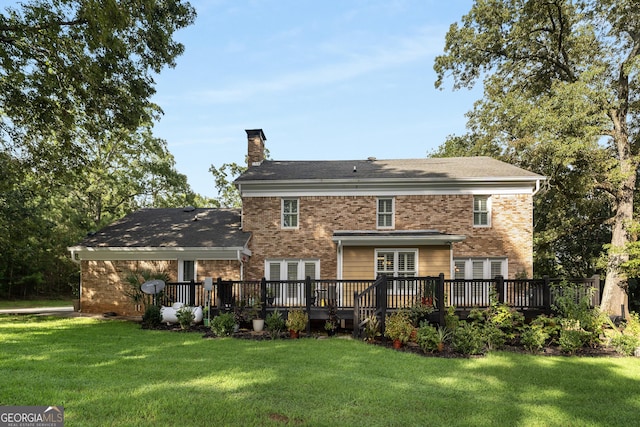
pixel 451 168
pixel 173 228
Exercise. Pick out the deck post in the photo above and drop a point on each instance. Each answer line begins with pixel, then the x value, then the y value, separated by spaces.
pixel 263 298
pixel 192 293
pixel 307 293
pixel 219 294
pixel 356 315
pixel 381 301
pixel 546 293
pixel 440 303
pixel 499 288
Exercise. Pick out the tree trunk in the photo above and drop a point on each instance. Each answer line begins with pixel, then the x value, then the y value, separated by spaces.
pixel 615 296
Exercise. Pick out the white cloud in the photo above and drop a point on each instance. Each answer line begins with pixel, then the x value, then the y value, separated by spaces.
pixel 352 64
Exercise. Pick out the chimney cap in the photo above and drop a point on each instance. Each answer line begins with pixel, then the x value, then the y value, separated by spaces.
pixel 256 132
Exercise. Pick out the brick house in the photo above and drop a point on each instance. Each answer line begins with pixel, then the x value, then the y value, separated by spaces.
pixel 468 218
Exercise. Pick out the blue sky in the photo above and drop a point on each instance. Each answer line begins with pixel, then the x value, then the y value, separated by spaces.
pixel 332 79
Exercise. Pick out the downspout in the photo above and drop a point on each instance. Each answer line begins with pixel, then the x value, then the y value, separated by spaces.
pixel 537 188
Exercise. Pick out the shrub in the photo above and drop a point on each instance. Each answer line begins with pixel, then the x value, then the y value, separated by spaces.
pixel 432 339
pixel 427 338
pixel 467 339
pixel 152 316
pixel 534 337
pixel 625 344
pixel 451 319
pixel 419 312
pixel 185 316
pixel 297 320
pixel 398 326
pixel 573 303
pixel 223 324
pixel 493 337
pixel 572 336
pixel 632 325
pixel 275 323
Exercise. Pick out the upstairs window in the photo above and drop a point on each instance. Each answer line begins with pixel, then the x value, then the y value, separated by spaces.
pixel 481 214
pixel 290 213
pixel 385 213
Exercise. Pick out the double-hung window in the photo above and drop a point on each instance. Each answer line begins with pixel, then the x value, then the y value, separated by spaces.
pixel 481 211
pixel 398 263
pixel 385 212
pixel 290 213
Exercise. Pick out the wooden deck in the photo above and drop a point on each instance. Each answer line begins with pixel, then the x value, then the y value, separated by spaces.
pixel 357 299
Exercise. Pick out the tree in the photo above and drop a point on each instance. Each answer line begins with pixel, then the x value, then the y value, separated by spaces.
pixel 559 76
pixel 76 148
pixel 69 69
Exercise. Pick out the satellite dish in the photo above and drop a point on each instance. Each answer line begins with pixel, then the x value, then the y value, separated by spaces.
pixel 152 287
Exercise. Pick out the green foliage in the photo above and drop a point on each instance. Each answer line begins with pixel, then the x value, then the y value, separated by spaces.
pixel 572 336
pixel 432 339
pixel 632 325
pixel 451 319
pixel 534 337
pixel 152 316
pixel 371 328
pixel 398 326
pixel 185 316
pixel 468 339
pixel 573 304
pixel 297 320
pixel 275 323
pixel 625 344
pixel 560 98
pixel 419 312
pixel 223 324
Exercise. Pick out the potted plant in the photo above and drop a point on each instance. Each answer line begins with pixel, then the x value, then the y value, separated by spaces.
pixel 256 316
pixel 398 328
pixel 296 321
pixel 442 336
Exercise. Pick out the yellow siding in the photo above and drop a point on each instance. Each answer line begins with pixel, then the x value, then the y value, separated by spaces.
pixel 359 262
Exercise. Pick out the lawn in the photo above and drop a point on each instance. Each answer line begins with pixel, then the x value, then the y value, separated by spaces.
pixel 111 372
pixel 6 304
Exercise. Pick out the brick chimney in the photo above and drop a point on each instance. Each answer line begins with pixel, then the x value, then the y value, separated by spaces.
pixel 255 150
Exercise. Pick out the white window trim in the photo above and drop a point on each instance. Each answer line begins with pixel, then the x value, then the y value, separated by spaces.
pixel 468 267
pixel 473 206
pixel 283 267
pixel 393 213
pixel 282 213
pixel 181 269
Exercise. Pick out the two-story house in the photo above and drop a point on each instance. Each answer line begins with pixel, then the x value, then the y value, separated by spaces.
pixel 468 217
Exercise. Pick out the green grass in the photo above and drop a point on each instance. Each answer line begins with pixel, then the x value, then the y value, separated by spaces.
pixel 111 372
pixel 6 304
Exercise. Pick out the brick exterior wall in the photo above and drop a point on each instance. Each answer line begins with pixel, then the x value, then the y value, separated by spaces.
pixel 104 282
pixel 510 234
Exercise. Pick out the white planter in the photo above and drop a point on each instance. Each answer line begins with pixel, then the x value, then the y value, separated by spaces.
pixel 258 325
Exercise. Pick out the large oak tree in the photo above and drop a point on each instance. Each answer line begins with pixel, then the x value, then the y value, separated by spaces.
pixel 560 78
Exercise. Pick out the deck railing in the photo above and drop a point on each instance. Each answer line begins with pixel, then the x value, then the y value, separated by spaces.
pixel 367 297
